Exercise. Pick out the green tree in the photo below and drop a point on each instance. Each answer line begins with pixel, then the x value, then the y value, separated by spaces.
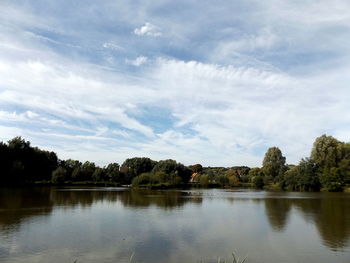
pixel 113 174
pixel 173 169
pixel 99 175
pixel 223 180
pixel 133 167
pixel 331 179
pixel 258 181
pixel 255 172
pixel 291 179
pixel 307 178
pixel 274 162
pixel 327 151
pixel 204 180
pixel 59 175
pixel 196 168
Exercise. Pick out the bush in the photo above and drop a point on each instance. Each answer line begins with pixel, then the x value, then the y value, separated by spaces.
pixel 142 179
pixel 223 180
pixel 204 180
pixel 233 181
pixel 258 182
pixel 59 175
pixel 332 180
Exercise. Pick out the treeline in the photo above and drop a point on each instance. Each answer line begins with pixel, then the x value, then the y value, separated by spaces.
pixel 23 164
pixel 327 168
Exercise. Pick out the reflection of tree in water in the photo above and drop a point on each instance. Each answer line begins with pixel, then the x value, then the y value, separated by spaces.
pixel 19 204
pixel 277 212
pixel 162 199
pixel 81 197
pixel 331 217
pixel 329 212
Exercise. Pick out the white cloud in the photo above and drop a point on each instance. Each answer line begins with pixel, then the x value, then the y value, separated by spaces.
pixel 218 115
pixel 148 30
pixel 138 61
pixel 112 46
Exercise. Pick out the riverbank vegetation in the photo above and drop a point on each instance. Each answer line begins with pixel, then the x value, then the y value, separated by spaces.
pixel 327 168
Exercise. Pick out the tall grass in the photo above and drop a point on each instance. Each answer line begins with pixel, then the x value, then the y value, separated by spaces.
pixel 234 259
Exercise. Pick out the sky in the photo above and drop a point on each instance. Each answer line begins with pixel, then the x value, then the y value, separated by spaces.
pixel 210 82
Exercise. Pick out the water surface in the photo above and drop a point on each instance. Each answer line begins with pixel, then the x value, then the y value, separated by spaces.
pixel 111 224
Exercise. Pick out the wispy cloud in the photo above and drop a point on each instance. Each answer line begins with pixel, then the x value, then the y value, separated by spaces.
pixel 137 61
pixel 217 91
pixel 148 30
pixel 112 46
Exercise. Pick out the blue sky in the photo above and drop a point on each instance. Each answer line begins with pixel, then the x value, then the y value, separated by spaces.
pixel 211 82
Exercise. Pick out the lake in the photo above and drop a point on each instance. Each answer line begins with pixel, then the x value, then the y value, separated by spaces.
pixel 115 224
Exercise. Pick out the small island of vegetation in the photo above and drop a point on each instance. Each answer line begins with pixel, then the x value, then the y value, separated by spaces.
pixel 326 169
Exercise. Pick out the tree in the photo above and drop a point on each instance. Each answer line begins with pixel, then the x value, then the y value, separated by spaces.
pixel 255 172
pixel 291 179
pixel 99 175
pixel 174 170
pixel 196 168
pixel 204 180
pixel 87 170
pixel 333 160
pixel 307 178
pixel 274 162
pixel 113 174
pixel 133 167
pixel 331 179
pixel 327 151
pixel 258 181
pixel 59 175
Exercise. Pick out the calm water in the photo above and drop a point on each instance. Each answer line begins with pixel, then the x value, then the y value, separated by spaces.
pixel 111 224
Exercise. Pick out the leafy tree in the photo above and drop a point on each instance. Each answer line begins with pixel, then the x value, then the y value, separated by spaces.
pixel 331 179
pixel 142 179
pixel 133 167
pixel 327 151
pixel 274 162
pixel 113 174
pixel 223 180
pixel 255 172
pixel 99 175
pixel 87 170
pixel 308 179
pixel 258 181
pixel 162 176
pixel 291 179
pixel 196 168
pixel 333 160
pixel 233 181
pixel 344 167
pixel 204 180
pixel 59 175
pixel 174 170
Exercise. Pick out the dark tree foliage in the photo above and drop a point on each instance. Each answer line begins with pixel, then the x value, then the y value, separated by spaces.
pixel 328 168
pixel 174 169
pixel 113 174
pixel 133 167
pixel 22 164
pixel 59 175
pixel 196 168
